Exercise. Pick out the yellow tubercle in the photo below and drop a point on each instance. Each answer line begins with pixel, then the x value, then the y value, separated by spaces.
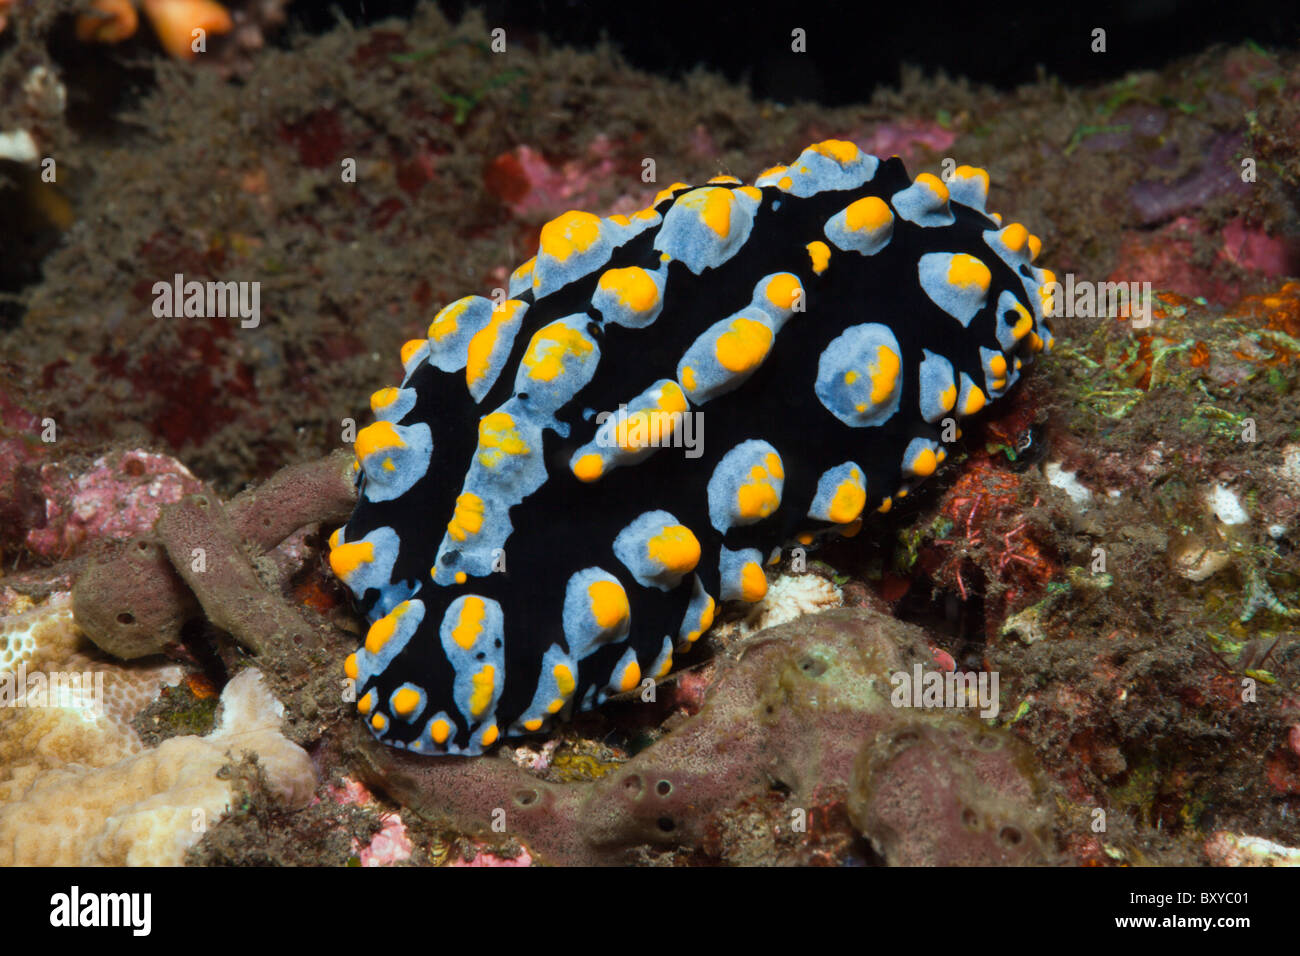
pixel 753 583
pixel 469 625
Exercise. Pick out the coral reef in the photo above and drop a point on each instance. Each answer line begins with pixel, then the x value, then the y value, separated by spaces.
pixel 148 809
pixel 90 723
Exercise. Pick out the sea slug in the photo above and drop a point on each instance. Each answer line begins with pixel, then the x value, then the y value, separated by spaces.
pixel 816 336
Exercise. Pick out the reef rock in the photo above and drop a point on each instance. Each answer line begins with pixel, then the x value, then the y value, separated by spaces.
pixel 148 809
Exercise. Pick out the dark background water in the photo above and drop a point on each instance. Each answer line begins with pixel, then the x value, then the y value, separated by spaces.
pixel 854 47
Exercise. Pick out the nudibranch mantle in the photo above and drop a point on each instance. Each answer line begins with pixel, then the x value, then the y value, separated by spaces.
pixel 521 556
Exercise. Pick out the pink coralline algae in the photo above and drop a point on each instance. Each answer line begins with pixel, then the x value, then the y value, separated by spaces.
pixel 530 184
pixel 391 844
pixel 1166 257
pixel 118 496
pixel 911 139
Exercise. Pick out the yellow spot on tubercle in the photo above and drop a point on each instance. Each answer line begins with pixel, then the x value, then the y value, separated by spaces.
pixel 383 398
pixel 346 558
pixel 884 374
pixel 753 582
pixel 886 505
pixel 851 529
pixel 666 666
pixel 998 366
pixel 1024 322
pixel 842 151
pixel 869 213
pixel 405 701
pixel 633 287
pixel 969 273
pixel 467 519
pixel 752 192
pixel 382 630
pixel 757 498
pixel 784 183
pixel 705 621
pixel 675 548
pixel 550 347
pixel 563 679
pixel 570 232
pixel 498 437
pixel 935 185
pixel 447 321
pixel 849 500
pixel 470 623
pixel 948 398
pixel 743 346
pixel 609 605
pixel 490 736
pixel 410 347
pixel 589 467
pixel 461 577
pixel 969 172
pixel 379 721
pixel 631 676
pixel 380 436
pixel 974 401
pixel 350 666
pixel 688 378
pixel 713 205
pixel 564 683
pixel 440 730
pixel 1015 236
pixel 772 171
pixel 336 538
pixel 484 683
pixel 784 290
pixel 924 463
pixel 820 254
pixel 524 270
pixel 1035 247
pixel 479 356
pixel 365 703
pixel 667 192
pixel 651 426
pixel 732 180
pixel 534 725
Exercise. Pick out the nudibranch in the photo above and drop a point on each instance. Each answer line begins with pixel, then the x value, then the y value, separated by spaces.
pixel 776 359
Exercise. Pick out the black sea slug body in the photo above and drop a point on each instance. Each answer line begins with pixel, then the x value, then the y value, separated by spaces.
pixel 805 337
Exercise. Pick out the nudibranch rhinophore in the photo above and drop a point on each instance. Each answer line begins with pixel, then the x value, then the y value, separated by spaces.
pixel 811 335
